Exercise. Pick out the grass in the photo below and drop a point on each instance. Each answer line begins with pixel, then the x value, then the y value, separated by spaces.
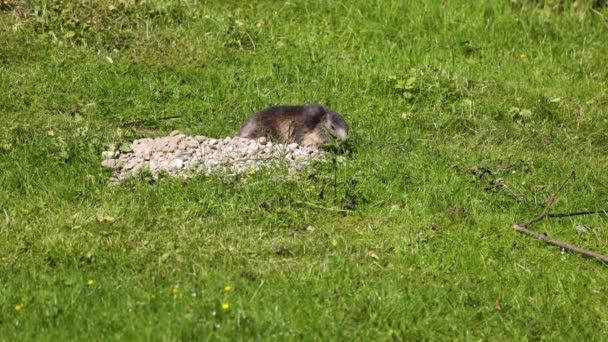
pixel 432 91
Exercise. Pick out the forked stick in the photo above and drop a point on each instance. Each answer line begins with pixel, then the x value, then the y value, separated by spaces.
pixel 523 228
pixel 543 237
pixel 550 201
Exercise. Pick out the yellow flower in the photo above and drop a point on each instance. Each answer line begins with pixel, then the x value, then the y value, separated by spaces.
pixel 153 296
pixel 227 288
pixel 18 307
pixel 174 290
pixel 523 58
pixel 90 282
pixel 225 306
pixel 252 171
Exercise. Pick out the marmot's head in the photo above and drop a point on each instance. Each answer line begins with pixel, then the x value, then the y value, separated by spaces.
pixel 335 125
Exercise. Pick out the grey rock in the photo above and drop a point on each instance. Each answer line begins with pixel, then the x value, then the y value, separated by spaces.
pixel 183 155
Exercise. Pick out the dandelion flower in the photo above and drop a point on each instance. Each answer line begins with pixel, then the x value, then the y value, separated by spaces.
pixel 225 306
pixel 174 290
pixel 252 171
pixel 18 307
pixel 90 282
pixel 227 288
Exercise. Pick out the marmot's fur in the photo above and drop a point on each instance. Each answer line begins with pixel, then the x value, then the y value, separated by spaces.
pixel 309 125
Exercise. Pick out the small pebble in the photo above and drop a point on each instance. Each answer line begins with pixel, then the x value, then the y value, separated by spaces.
pixel 110 163
pixel 177 163
pixel 191 144
pixel 109 154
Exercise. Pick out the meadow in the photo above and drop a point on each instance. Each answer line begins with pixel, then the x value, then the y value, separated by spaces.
pixel 410 238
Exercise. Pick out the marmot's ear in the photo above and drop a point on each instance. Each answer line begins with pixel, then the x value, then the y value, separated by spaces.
pixel 315 109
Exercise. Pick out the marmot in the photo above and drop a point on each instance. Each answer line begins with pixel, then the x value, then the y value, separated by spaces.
pixel 308 125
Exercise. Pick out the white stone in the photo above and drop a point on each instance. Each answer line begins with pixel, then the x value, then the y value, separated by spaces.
pixel 177 164
pixel 109 154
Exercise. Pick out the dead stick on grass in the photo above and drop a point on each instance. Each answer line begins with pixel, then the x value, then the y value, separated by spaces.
pixel 523 228
pixel 510 191
pixel 324 208
pixel 543 237
pixel 578 213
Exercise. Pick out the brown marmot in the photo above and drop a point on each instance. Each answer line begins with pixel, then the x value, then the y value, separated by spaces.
pixel 308 125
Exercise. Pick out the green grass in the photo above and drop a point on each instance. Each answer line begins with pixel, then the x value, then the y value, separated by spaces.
pixel 430 89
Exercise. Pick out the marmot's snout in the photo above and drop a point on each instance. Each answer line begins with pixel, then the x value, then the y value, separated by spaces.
pixel 336 126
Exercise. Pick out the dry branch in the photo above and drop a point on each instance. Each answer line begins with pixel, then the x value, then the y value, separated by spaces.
pixel 578 213
pixel 511 192
pixel 524 227
pixel 543 237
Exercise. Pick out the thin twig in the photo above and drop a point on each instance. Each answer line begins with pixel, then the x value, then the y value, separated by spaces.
pixel 383 142
pixel 522 229
pixel 513 194
pixel 335 181
pixel 550 201
pixel 251 40
pixel 577 213
pixel 599 14
pixel 7 219
pixel 140 121
pixel 324 208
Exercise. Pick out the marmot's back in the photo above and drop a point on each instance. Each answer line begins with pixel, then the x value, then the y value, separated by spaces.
pixel 306 125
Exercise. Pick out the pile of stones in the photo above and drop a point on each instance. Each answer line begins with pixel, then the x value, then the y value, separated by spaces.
pixel 186 156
